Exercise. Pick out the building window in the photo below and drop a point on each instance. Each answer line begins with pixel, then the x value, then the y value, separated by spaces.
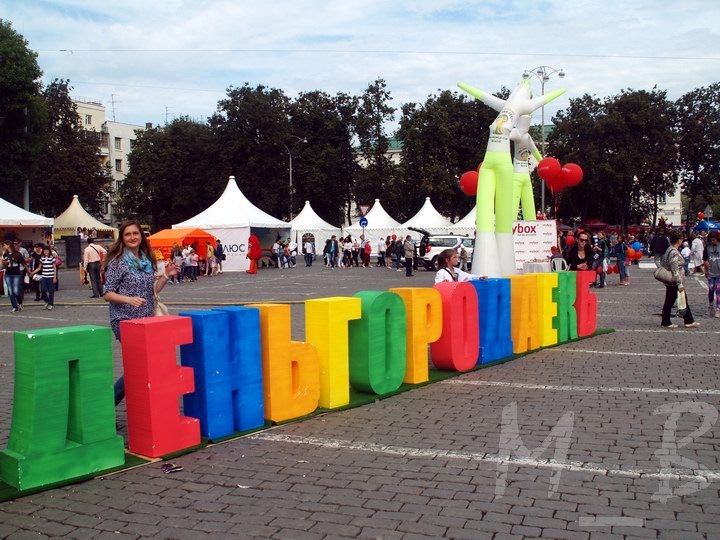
pixel 118 185
pixel 118 165
pixel 104 140
pixel 106 206
pixel 118 143
pixel 663 200
pixel 88 119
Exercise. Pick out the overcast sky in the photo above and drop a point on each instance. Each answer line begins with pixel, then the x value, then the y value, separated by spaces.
pixel 162 59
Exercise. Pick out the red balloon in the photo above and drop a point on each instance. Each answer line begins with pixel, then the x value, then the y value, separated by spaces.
pixel 599 270
pixel 616 269
pixel 469 183
pixel 638 255
pixel 571 174
pixel 549 168
pixel 570 240
pixel 701 215
pixel 609 270
pixel 394 237
pixel 555 184
pixel 630 253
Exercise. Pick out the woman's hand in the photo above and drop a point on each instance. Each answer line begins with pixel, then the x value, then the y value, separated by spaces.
pixel 136 301
pixel 582 266
pixel 171 270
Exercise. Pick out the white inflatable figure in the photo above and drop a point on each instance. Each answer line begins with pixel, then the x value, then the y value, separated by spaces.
pixel 525 158
pixel 494 253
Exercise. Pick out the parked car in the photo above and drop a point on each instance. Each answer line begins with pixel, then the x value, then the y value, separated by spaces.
pixel 432 244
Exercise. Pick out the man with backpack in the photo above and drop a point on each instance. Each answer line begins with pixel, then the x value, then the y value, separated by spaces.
pixel 659 245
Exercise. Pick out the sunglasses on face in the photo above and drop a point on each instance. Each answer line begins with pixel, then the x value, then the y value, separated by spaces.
pixel 582 239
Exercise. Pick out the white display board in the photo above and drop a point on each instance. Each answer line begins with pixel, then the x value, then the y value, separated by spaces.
pixel 533 240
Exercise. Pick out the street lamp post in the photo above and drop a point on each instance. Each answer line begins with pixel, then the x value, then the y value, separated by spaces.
pixel 290 156
pixel 543 74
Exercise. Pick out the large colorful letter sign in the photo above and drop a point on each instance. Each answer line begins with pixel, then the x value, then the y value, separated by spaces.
pixel 291 370
pixel 585 304
pixel 494 319
pixel 153 384
pixel 525 324
pixel 377 343
pixel 326 327
pixel 564 296
pixel 63 423
pixel 423 317
pixel 225 358
pixel 459 345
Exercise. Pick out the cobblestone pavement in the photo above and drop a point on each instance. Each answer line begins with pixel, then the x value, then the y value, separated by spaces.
pixel 633 415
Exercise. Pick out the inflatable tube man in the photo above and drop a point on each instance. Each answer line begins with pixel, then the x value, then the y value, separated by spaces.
pixel 494 254
pixel 525 159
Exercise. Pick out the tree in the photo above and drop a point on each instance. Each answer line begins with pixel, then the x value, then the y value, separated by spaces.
pixel 442 139
pixel 376 179
pixel 174 174
pixel 625 147
pixel 22 113
pixel 251 127
pixel 325 167
pixel 698 138
pixel 72 165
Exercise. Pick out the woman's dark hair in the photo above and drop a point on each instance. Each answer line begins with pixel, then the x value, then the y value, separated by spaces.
pixel 14 253
pixel 444 258
pixel 674 236
pixel 115 250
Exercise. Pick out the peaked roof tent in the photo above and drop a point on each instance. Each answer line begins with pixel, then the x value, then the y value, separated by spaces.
pixel 14 216
pixel 307 221
pixel 466 225
pixel 430 219
pixel 76 216
pixel 231 210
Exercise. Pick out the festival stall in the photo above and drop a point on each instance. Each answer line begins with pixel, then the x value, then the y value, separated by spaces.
pixel 76 216
pixel 429 219
pixel 163 241
pixel 16 223
pixel 379 225
pixel 307 222
pixel 230 219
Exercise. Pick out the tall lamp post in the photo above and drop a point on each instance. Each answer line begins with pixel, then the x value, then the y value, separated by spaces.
pixel 290 156
pixel 543 74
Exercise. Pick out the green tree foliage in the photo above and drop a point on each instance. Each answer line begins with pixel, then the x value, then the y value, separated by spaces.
pixel 252 125
pixel 325 167
pixel 72 165
pixel 442 138
pixel 625 147
pixel 22 113
pixel 174 174
pixel 376 180
pixel 698 138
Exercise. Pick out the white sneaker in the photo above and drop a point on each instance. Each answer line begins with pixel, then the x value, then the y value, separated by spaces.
pixel 49 308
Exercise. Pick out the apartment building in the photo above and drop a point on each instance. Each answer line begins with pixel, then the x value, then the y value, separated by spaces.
pixel 115 140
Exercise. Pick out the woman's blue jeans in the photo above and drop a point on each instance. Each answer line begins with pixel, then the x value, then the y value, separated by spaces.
pixel 13 286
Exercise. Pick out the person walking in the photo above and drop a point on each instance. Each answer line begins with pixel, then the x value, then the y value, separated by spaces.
pixel 254 253
pixel 697 246
pixel 93 256
pixel 219 256
pixel 14 265
pixel 659 245
pixel 47 272
pixel 131 285
pixel 673 261
pixel 309 252
pixel 711 261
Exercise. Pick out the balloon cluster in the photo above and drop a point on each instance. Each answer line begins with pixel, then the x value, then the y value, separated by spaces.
pixel 557 177
pixel 701 215
pixel 634 252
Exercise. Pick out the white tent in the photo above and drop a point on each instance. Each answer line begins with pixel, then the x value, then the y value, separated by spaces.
pixel 379 225
pixel 24 225
pixel 230 219
pixel 75 216
pixel 429 219
pixel 466 225
pixel 308 222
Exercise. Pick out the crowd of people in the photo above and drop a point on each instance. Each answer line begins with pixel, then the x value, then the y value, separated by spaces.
pixel 30 271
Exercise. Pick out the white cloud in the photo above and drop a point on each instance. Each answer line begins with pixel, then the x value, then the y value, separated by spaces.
pixel 178 57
